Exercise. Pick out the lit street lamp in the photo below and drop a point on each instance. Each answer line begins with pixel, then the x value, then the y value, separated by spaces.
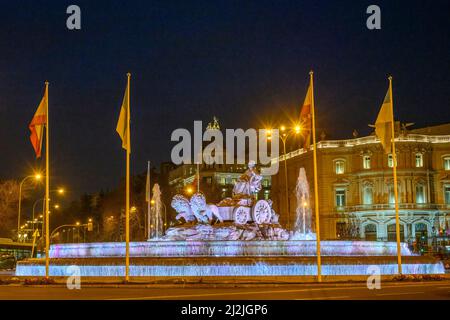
pixel 35 176
pixel 60 191
pixel 285 133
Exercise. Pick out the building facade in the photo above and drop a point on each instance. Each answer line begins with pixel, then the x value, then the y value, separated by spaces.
pixel 355 185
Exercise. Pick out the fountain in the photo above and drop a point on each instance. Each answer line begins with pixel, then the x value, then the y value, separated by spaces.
pixel 239 236
pixel 156 224
pixel 302 229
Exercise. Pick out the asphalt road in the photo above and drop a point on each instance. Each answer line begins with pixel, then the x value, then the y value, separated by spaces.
pixel 434 290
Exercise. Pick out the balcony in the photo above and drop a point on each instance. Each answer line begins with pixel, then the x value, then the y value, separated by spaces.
pixel 391 206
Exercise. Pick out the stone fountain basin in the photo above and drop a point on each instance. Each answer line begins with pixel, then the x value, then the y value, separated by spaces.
pixel 230 266
pixel 191 248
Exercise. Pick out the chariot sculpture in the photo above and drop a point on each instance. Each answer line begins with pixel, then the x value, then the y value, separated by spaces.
pixel 241 208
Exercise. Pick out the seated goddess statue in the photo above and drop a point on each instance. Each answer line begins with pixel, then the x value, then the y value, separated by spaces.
pixel 249 183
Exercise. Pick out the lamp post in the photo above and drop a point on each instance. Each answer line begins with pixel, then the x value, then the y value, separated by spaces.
pixel 59 191
pixel 37 177
pixel 284 136
pixel 34 208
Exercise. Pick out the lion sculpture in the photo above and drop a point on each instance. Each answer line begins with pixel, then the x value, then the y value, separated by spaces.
pixel 195 210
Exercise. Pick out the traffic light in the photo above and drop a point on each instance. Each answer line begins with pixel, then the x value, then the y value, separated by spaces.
pixel 90 226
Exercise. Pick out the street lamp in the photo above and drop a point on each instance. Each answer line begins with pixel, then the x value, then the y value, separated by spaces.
pixel 285 133
pixel 37 177
pixel 60 191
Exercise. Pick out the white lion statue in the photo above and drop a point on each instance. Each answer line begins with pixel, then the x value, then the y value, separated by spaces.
pixel 195 209
pixel 183 208
pixel 203 211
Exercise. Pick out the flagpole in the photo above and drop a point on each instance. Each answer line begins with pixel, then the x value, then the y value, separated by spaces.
pixel 316 188
pixel 149 197
pixel 47 187
pixel 127 197
pixel 198 177
pixel 394 167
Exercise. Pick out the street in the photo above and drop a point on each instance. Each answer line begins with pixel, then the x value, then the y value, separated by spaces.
pixel 433 290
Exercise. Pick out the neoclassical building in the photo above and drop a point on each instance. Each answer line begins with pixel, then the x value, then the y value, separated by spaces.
pixel 356 185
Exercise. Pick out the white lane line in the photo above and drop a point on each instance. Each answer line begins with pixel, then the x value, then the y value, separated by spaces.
pixel 209 295
pixel 325 298
pixel 263 292
pixel 399 293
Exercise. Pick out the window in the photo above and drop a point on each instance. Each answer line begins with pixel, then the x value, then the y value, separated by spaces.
pixel 339 166
pixel 390 161
pixel 340 197
pixel 447 194
pixel 419 160
pixel 368 195
pixel 447 163
pixel 341 229
pixel 370 232
pixel 420 193
pixel 366 162
pixel 421 232
pixel 392 194
pixel 392 234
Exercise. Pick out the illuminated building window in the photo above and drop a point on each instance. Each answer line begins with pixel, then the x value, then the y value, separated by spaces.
pixel 340 197
pixel 392 234
pixel 391 194
pixel 339 167
pixel 421 231
pixel 420 193
pixel 341 229
pixel 370 232
pixel 368 195
pixel 390 161
pixel 447 194
pixel 447 163
pixel 366 162
pixel 419 160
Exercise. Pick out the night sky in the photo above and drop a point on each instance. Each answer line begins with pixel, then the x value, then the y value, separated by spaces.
pixel 246 62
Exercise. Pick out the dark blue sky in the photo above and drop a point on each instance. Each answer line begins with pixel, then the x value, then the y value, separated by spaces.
pixel 244 61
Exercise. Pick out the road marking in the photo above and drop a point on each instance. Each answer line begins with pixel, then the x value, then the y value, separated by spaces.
pixel 266 292
pixel 398 293
pixel 325 298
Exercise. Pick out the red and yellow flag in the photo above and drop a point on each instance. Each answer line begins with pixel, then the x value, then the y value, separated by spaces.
pixel 305 119
pixel 37 125
pixel 123 124
pixel 384 123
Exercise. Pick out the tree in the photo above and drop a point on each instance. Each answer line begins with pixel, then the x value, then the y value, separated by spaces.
pixel 9 195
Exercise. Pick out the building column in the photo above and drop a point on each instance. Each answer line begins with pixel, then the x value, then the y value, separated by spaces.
pixel 381 231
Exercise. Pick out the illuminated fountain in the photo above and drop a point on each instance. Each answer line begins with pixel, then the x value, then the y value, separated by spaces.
pixel 156 223
pixel 239 236
pixel 302 228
